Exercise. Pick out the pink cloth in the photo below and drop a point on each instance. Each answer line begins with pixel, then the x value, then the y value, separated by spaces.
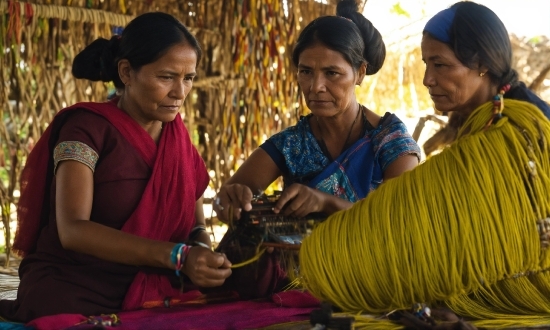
pixel 295 298
pixel 59 321
pixel 222 316
pixel 237 315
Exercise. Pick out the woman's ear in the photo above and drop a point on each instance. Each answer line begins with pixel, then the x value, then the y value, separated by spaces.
pixel 361 73
pixel 482 70
pixel 124 69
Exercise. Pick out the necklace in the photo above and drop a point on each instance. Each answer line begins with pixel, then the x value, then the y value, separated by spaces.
pixel 347 138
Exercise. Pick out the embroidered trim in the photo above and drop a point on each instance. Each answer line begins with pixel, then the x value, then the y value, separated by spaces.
pixel 75 150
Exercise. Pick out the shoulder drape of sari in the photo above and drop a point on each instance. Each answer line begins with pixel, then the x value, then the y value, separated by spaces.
pixel 167 207
pixel 360 169
pixel 355 173
pixel 346 175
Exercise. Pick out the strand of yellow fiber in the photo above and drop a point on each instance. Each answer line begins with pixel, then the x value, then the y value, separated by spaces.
pixel 259 252
pixel 249 261
pixel 460 229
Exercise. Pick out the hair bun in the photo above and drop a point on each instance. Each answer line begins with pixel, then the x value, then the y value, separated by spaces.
pixel 96 61
pixel 86 64
pixel 347 8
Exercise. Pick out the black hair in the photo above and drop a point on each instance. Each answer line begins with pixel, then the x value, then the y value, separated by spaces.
pixel 348 33
pixel 479 39
pixel 144 40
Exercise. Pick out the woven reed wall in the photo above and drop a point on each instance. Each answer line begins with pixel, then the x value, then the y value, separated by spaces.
pixel 245 90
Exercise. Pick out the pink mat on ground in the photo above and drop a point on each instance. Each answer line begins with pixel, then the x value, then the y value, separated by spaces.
pixel 286 307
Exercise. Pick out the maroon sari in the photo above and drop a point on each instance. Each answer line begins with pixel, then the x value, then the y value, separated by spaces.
pixel 175 177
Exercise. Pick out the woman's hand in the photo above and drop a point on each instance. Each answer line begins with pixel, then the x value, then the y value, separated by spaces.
pixel 206 268
pixel 255 174
pixel 232 198
pixel 299 200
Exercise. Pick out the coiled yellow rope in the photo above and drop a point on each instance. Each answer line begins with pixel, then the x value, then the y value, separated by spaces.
pixel 459 230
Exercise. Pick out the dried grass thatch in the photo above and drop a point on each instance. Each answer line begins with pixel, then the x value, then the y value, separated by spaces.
pixel 245 89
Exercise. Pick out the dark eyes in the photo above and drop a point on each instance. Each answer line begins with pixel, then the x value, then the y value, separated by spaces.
pixel 328 73
pixel 188 78
pixel 436 65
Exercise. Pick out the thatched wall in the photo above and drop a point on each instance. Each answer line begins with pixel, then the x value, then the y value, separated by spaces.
pixel 245 89
pixel 244 92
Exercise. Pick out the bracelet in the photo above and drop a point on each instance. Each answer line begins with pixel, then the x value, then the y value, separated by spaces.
pixel 184 251
pixel 173 254
pixel 178 255
pixel 196 230
pixel 197 243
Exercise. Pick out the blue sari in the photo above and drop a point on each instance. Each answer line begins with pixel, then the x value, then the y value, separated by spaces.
pixel 351 176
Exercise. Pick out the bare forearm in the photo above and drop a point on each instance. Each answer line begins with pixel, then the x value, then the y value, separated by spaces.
pixel 334 204
pixel 203 237
pixel 114 245
pixel 257 172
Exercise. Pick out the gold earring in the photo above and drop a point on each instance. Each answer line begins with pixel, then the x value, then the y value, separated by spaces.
pixel 481 74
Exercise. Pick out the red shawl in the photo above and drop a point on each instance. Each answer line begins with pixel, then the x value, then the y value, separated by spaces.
pixel 167 207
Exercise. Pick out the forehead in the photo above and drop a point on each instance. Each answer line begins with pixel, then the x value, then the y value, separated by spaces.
pixel 319 54
pixel 434 49
pixel 180 54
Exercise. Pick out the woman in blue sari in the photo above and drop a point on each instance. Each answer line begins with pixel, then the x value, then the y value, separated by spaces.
pixel 342 150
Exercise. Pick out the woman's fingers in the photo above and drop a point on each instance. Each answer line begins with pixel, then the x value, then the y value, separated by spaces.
pixel 207 268
pixel 231 200
pixel 220 205
pixel 288 195
pixel 296 201
pixel 246 198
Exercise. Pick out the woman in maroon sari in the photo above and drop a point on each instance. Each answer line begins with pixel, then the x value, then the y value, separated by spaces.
pixel 112 189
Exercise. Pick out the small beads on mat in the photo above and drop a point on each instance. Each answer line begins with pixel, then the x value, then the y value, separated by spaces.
pixel 105 320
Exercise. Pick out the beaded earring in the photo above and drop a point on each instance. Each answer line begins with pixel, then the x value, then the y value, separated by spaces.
pixel 498 105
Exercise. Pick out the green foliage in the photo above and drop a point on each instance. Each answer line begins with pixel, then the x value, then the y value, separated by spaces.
pixel 535 40
pixel 4 177
pixel 397 9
